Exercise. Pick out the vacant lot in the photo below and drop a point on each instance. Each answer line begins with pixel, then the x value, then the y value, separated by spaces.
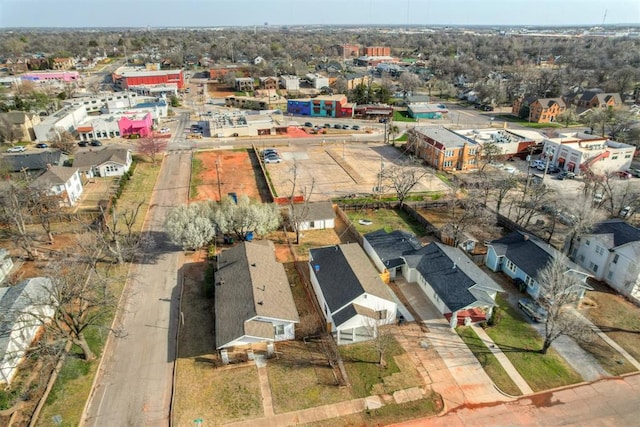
pixel 336 169
pixel 222 172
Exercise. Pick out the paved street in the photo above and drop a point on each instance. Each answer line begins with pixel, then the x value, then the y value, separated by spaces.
pixel 134 384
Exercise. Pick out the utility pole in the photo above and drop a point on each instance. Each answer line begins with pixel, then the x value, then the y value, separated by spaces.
pixel 218 176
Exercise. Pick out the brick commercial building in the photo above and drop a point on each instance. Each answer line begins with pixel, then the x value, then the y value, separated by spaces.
pixel 442 148
pixel 124 77
pixel 377 51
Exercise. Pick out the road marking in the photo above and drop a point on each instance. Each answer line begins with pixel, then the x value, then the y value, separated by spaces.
pixel 104 393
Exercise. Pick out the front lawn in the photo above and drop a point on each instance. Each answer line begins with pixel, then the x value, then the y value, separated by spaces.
pixel 489 363
pixel 520 343
pixel 367 377
pixel 522 122
pixel 402 116
pixel 616 317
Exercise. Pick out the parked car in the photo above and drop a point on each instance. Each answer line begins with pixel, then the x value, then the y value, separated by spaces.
pixel 536 164
pixel 83 143
pixel 41 145
pixel 486 108
pixel 272 159
pixel 532 309
pixel 553 169
pixel 336 126
pixel 355 127
pixel 95 143
pixel 345 126
pixel 565 175
pixel 165 130
pixel 623 175
pixel 308 124
pixel 269 151
pixel 16 149
pixel 327 125
pixel 635 172
pixel 625 212
pixel 566 218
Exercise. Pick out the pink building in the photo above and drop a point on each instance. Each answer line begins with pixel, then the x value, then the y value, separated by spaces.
pixel 135 126
pixel 42 76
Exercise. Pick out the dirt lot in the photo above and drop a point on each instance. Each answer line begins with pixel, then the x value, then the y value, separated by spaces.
pixel 336 169
pixel 226 172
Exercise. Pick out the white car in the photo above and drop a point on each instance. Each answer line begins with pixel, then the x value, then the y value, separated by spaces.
pixel 165 130
pixel 16 149
pixel 272 159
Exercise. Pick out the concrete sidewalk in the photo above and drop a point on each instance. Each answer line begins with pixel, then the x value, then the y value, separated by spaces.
pixel 503 360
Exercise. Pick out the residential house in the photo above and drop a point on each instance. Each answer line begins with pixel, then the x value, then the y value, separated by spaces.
pixel 34 163
pixel 108 161
pixel 62 63
pixel 594 99
pixel 442 148
pixel 24 310
pixel 540 110
pixel 269 82
pixel 587 154
pixel 61 181
pixel 253 301
pixel 23 123
pixel 352 297
pixel 458 288
pixel 610 251
pixel 290 83
pixel 523 256
pixel 244 84
pixel 315 215
pixel 317 81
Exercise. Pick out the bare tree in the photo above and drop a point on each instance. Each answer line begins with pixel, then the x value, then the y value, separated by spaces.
pixel 298 212
pixel 464 216
pixel 534 196
pixel 559 288
pixel 617 194
pixel 116 232
pixel 15 199
pixel 568 116
pixel 8 132
pixel 583 218
pixel 409 81
pixel 489 153
pixel 403 178
pixel 62 139
pixel 151 147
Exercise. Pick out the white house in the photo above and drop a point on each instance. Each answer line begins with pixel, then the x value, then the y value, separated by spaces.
pixel 253 300
pixel 24 309
pixel 290 82
pixel 611 251
pixel 453 284
pixel 61 181
pixel 577 152
pixel 318 81
pixel 108 161
pixel 353 298
pixel 316 215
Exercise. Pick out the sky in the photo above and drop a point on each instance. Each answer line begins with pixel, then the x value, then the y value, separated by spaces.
pixel 216 13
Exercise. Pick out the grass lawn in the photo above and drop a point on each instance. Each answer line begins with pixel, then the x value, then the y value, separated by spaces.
pixel 616 317
pixel 402 116
pixel 196 169
pixel 520 343
pixel 367 378
pixel 139 188
pixel 514 119
pixel 489 363
pixel 389 219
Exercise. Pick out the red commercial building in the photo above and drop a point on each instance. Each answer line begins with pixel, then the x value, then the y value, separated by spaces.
pixel 126 76
pixel 349 50
pixel 377 51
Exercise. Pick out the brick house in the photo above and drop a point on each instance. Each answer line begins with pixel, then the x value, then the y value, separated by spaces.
pixel 442 148
pixel 268 82
pixel 244 84
pixel 541 110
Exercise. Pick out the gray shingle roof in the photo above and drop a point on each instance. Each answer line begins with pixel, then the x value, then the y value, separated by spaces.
pixel 390 247
pixel 458 282
pixel 250 283
pixel 622 232
pixel 344 272
pixel 56 175
pixel 526 251
pixel 87 159
pixel 35 161
pixel 320 210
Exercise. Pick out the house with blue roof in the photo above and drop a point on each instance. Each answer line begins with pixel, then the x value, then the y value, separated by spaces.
pixel 457 287
pixel 520 255
pixel 352 297
pixel 610 252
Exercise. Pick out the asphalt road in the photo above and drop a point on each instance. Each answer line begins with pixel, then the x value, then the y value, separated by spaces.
pixel 134 384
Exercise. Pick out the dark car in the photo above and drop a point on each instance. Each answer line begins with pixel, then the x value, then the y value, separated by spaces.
pixel 308 124
pixel 487 108
pixel 95 143
pixel 382 120
pixel 83 143
pixel 337 126
pixel 41 145
pixel 553 169
pixel 565 175
pixel 355 127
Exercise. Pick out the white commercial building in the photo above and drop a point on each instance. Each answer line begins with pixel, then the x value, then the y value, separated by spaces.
pixel 68 118
pixel 318 81
pixel 95 103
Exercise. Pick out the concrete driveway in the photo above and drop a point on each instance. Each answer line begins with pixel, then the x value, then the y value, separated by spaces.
pixel 470 382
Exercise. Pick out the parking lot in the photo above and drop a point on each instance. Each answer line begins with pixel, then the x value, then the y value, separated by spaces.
pixel 339 169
